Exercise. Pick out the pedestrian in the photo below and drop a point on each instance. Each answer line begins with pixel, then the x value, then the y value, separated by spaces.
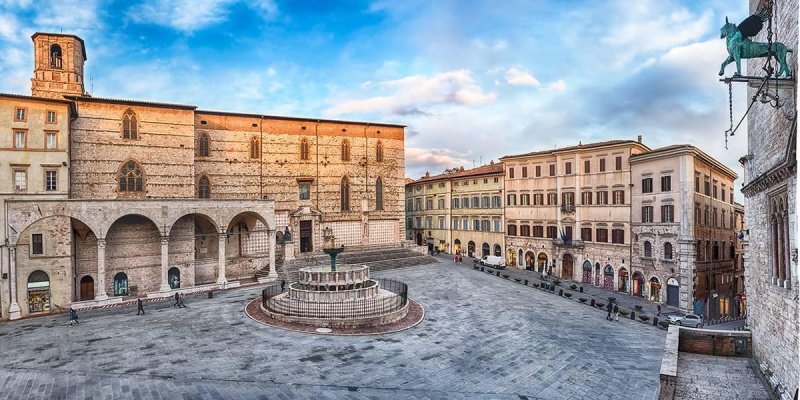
pixel 73 316
pixel 616 313
pixel 609 308
pixel 139 307
pixel 177 300
pixel 283 285
pixel 659 311
pixel 182 300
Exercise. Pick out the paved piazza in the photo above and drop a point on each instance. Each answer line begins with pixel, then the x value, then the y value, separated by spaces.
pixel 483 337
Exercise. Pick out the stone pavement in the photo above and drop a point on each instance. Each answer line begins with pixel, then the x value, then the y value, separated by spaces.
pixel 705 377
pixel 482 337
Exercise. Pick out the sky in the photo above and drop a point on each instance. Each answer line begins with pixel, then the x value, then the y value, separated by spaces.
pixel 472 80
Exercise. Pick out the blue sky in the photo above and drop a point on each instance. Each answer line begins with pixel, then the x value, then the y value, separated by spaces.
pixel 472 80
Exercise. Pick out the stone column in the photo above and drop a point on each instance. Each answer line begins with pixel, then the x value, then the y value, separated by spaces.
pixel 223 238
pixel 272 272
pixel 779 259
pixel 13 310
pixel 164 263
pixel 100 290
pixel 787 252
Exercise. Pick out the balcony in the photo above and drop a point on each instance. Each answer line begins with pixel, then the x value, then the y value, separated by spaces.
pixel 568 243
pixel 568 208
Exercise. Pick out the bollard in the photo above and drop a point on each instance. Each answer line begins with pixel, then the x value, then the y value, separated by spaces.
pixel 560 292
pixel 498 273
pixel 210 294
pixel 655 321
pixel 481 269
pixel 633 315
pixel 592 303
pixel 526 282
pixel 581 289
pixel 553 288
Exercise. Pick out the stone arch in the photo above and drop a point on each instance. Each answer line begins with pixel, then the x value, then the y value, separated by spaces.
pixel 250 222
pixel 56 56
pixel 485 249
pixel 26 218
pixel 586 272
pixel 541 262
pixel 133 247
pixel 498 251
pixel 38 292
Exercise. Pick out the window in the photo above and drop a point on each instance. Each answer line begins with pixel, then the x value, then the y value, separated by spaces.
pixel 618 162
pixel 667 213
pixel 496 224
pixel 464 224
pixel 130 125
pixel 496 202
pixel 379 151
pixel 485 202
pixel 37 244
pixel 304 150
pixel 20 181
pixel 697 183
pixel 204 188
pixel 202 145
pixel 568 198
pixel 647 214
pixel 586 198
pixel 538 199
pixel 666 183
pixel 648 249
pixel 602 165
pixel 618 236
pixel 723 197
pixel 50 140
pixel 453 203
pixel 20 139
pixel 619 197
pixel 715 254
pixel 418 222
pixel 512 230
pixel 20 114
pixel 552 170
pixel 441 222
pixel 52 117
pixel 538 231
pixel 525 230
pixel 465 202
pixel 344 193
pixel 707 186
pixel 552 199
pixel 440 202
pixel 647 185
pixel 455 224
pixel 131 178
pixel 441 184
pixel 305 191
pixel 524 172
pixel 429 222
pixel 50 181
pixel 716 225
pixel 512 200
pixel 511 173
pixel 476 225
pixel 429 204
pixel 524 199
pixel 705 216
pixel 55 57
pixel 668 251
pixel 568 168
pixel 587 166
pixel 714 191
pixel 345 150
pixel 496 180
pixel 602 197
pixel 538 171
pixel 552 232
pixel 697 214
pixel 476 202
pixel 586 234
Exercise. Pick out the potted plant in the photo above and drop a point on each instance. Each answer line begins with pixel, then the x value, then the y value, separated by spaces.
pixel 599 305
pixel 582 299
pixel 505 276
pixel 644 318
pixel 573 286
pixel 612 299
pixel 638 307
pixel 568 294
pixel 557 282
pixel 664 324
pixel 517 279
pixel 623 312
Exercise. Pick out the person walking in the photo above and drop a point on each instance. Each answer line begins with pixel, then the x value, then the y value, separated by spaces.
pixel 659 311
pixel 139 307
pixel 177 300
pixel 609 308
pixel 182 303
pixel 73 316
pixel 616 312
pixel 283 285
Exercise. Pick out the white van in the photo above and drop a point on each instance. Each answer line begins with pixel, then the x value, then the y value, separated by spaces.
pixel 493 261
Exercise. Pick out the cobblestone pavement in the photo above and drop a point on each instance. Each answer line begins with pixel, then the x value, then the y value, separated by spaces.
pixel 482 337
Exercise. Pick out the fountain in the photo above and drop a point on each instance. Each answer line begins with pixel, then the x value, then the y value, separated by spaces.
pixel 329 247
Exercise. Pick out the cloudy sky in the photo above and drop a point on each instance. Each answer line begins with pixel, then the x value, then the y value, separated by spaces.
pixel 472 80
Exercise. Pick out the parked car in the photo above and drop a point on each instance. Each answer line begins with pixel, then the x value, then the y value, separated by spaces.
pixel 493 261
pixel 691 320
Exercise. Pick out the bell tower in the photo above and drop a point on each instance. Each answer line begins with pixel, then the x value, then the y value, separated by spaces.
pixel 58 65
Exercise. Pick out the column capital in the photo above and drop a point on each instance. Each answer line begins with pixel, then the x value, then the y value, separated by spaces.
pixel 101 242
pixel 164 239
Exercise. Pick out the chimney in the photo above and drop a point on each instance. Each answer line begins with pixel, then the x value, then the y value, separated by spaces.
pixel 427 174
pixel 639 138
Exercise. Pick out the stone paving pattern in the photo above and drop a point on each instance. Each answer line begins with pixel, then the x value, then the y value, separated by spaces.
pixel 482 337
pixel 705 377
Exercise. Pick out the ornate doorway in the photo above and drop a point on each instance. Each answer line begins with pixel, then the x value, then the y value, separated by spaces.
pixel 174 278
pixel 541 262
pixel 587 272
pixel 120 284
pixel 566 266
pixel 608 277
pixel 307 236
pixel 622 281
pixel 87 288
pixel 38 292
pixel 638 283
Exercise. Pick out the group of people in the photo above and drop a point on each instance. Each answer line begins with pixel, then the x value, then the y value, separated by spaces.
pixel 613 311
pixel 180 302
pixel 457 257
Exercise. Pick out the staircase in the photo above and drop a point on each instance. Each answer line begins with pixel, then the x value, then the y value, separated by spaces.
pixel 264 272
pixel 378 259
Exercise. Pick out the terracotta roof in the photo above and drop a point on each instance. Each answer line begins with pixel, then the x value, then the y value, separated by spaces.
pixel 576 147
pixel 127 101
pixel 312 119
pixel 489 169
pixel 685 148
pixel 22 96
pixel 83 45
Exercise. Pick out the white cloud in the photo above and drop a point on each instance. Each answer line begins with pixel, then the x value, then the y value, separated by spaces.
pixel 192 15
pixel 412 94
pixel 9 27
pixel 72 16
pixel 434 160
pixel 557 86
pixel 519 77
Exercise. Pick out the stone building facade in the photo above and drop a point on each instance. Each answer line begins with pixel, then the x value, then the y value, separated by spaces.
pixel 568 211
pixel 683 220
pixel 154 198
pixel 770 190
pixel 459 211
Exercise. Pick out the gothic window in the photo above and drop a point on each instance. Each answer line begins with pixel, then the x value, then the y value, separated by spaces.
pixel 304 150
pixel 779 239
pixel 379 195
pixel 130 125
pixel 131 178
pixel 55 56
pixel 648 249
pixel 204 188
pixel 345 194
pixel 668 251
pixel 202 145
pixel 345 150
pixel 379 152
pixel 255 148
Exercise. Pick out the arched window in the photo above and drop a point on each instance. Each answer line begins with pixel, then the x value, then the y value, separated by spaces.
pixel 648 249
pixel 379 194
pixel 345 150
pixel 202 145
pixel 203 188
pixel 304 150
pixel 345 194
pixel 255 148
pixel 379 152
pixel 130 125
pixel 55 56
pixel 131 178
pixel 668 251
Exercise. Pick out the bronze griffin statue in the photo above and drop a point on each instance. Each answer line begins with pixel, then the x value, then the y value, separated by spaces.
pixel 740 46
